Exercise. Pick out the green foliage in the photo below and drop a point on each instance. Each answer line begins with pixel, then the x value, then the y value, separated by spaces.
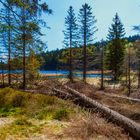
pixel 12 101
pixel 22 121
pixel 87 24
pixel 5 112
pixel 33 66
pixel 38 106
pixel 71 37
pixel 116 47
pixel 61 114
pixel 21 128
pixel 15 100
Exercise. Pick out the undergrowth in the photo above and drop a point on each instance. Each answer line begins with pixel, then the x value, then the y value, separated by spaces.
pixel 38 106
pixel 36 115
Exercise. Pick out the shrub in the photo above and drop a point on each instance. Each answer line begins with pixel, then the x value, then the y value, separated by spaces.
pixel 22 121
pixel 40 106
pixel 2 100
pixel 3 93
pixel 16 99
pixel 61 114
pixel 43 100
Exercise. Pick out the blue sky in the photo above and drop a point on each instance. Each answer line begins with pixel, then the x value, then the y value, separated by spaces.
pixel 103 10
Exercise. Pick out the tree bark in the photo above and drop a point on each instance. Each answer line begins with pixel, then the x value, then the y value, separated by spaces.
pixel 129 75
pixel 139 76
pixel 102 68
pixel 134 100
pixel 70 59
pixel 85 50
pixel 9 48
pixel 24 49
pixel 78 98
pixel 132 127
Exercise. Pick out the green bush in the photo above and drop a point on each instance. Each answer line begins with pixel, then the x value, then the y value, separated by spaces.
pixel 3 93
pixel 39 106
pixel 22 121
pixel 4 112
pixel 2 100
pixel 16 99
pixel 61 114
pixel 43 100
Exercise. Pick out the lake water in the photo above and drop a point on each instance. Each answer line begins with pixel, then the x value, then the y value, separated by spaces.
pixel 61 73
pixel 64 74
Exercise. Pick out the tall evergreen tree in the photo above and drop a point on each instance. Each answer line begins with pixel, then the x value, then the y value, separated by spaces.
pixel 87 29
pixel 26 14
pixel 115 52
pixel 71 37
pixel 29 28
pixel 7 24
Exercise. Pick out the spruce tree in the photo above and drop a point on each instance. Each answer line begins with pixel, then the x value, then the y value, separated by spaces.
pixel 87 29
pixel 71 37
pixel 115 52
pixel 26 14
pixel 29 28
pixel 7 24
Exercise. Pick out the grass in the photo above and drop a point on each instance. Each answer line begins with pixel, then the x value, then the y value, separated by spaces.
pixel 124 107
pixel 92 126
pixel 25 106
pixel 20 128
pixel 40 116
pixel 38 106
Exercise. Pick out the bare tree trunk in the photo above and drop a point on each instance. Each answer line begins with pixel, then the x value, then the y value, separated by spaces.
pixel 85 50
pixel 102 68
pixel 9 49
pixel 126 75
pixel 70 59
pixel 139 76
pixel 24 49
pixel 2 73
pixel 129 74
pixel 132 127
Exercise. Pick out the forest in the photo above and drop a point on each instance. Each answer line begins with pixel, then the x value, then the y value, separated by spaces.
pixel 85 89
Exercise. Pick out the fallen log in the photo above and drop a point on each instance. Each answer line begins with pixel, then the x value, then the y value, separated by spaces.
pixel 132 127
pixel 123 97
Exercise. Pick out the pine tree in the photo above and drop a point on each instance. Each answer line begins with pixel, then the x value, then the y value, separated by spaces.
pixel 29 29
pixel 87 29
pixel 7 24
pixel 115 52
pixel 71 37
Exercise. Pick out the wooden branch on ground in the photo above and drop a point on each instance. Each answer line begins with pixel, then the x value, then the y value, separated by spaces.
pixel 123 97
pixel 132 127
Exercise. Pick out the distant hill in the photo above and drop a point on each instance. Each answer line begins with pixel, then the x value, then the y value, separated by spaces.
pixel 51 58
